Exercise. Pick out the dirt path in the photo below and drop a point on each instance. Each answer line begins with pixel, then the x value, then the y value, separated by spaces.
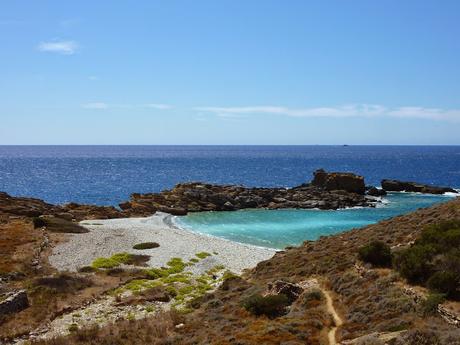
pixel 337 319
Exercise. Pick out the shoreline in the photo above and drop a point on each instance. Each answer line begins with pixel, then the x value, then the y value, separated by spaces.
pixel 108 237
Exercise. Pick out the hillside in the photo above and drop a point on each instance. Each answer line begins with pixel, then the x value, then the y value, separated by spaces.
pixel 334 294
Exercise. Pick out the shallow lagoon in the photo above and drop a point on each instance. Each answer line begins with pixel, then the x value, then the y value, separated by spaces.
pixel 280 228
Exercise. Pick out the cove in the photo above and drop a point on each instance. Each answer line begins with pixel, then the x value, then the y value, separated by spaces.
pixel 281 228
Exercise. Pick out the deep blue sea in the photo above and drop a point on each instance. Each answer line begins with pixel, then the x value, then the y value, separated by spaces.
pixel 107 175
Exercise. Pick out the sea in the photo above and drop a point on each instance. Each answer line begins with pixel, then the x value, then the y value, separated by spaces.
pixel 107 175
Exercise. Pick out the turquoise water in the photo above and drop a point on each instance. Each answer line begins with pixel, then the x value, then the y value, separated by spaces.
pixel 280 228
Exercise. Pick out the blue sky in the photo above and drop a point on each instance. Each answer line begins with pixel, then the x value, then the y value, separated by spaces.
pixel 230 72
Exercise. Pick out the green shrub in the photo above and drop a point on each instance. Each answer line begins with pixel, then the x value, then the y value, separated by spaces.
pixel 414 263
pixel 146 245
pixel 73 327
pixel 202 255
pixel 315 295
pixel 430 305
pixel 377 253
pixel 444 282
pixel 118 259
pixel 434 259
pixel 155 273
pixel 271 306
pixel 176 265
pixel 87 269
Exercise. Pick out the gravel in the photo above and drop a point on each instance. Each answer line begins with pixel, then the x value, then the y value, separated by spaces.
pixel 108 237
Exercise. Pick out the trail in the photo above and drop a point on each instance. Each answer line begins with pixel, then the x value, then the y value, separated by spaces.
pixel 337 319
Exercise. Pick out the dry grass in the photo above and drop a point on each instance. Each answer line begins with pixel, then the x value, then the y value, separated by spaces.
pixel 158 329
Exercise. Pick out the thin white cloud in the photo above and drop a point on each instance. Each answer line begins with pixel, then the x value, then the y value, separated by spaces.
pixel 354 110
pixel 159 106
pixel 96 105
pixel 103 105
pixel 93 77
pixel 59 47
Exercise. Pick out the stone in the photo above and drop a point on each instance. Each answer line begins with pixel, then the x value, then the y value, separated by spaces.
pixel 290 290
pixel 14 302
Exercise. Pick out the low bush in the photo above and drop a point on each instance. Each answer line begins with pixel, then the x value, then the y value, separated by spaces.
pixel 38 222
pixel 271 306
pixel 444 282
pixel 202 255
pixel 59 225
pixel 63 283
pixel 434 259
pixel 414 263
pixel 377 253
pixel 146 245
pixel 87 269
pixel 119 259
pixel 315 295
pixel 430 305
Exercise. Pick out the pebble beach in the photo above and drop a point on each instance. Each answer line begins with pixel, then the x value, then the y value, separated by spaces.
pixel 108 237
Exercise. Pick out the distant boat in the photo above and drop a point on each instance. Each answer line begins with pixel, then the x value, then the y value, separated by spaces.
pixel 345 145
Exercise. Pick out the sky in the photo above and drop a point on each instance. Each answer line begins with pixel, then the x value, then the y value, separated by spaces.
pixel 230 72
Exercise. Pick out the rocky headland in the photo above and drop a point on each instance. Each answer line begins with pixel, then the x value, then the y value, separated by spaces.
pixel 327 191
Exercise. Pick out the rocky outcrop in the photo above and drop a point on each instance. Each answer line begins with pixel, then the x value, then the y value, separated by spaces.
pixel 281 287
pixel 80 212
pixel 339 181
pixel 196 197
pixel 31 207
pixel 14 302
pixel 402 186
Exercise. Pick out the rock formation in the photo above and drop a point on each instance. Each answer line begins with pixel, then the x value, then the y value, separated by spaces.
pixel 196 197
pixel 290 290
pixel 401 186
pixel 339 181
pixel 14 302
pixel 31 207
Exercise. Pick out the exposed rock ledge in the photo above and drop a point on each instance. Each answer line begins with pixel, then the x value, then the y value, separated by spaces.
pixel 402 186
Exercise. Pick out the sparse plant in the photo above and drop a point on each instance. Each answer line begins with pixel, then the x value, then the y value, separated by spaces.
pixel 73 327
pixel 202 255
pixel 430 305
pixel 271 306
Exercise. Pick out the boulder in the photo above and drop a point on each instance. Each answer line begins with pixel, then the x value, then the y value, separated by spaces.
pixel 349 182
pixel 404 186
pixel 373 191
pixel 290 290
pixel 14 302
